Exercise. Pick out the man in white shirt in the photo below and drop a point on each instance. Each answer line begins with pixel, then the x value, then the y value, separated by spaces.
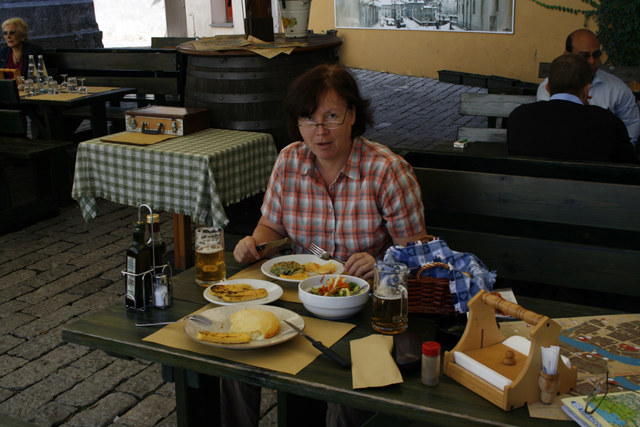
pixel 606 91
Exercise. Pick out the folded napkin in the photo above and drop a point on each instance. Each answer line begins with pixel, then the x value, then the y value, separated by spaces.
pixel 372 363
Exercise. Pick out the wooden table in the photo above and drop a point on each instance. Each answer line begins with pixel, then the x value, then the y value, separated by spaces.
pixel 447 404
pixel 193 176
pixel 53 106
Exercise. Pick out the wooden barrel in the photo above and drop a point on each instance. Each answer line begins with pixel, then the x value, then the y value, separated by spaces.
pixel 245 91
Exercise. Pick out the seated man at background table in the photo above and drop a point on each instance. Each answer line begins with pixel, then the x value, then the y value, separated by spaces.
pixel 606 91
pixel 566 127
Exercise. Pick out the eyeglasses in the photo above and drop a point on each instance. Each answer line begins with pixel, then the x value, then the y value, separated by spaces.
pixel 327 125
pixel 8 33
pixel 586 55
pixel 597 389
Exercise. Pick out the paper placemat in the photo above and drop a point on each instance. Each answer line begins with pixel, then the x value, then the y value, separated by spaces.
pixel 60 97
pixel 98 89
pixel 137 138
pixel 289 357
pixel 289 290
pixel 373 365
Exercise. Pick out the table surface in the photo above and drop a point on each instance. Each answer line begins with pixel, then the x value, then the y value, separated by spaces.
pixel 311 43
pixel 447 404
pixel 195 175
pixel 91 98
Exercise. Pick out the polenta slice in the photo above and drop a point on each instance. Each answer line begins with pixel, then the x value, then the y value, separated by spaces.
pixel 224 337
pixel 220 290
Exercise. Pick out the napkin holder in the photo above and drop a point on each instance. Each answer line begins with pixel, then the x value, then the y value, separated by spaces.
pixel 161 120
pixel 482 336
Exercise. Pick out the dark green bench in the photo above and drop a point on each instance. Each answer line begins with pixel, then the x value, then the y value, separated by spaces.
pixel 568 230
pixel 48 164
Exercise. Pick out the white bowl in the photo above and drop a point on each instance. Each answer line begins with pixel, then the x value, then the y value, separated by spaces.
pixel 332 307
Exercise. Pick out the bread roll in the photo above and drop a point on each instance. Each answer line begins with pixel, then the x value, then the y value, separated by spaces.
pixel 259 324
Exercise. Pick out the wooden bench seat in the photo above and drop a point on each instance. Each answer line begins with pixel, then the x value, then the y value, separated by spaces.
pixel 538 221
pixel 496 107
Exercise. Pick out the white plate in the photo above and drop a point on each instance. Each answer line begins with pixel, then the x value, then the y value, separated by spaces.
pixel 300 259
pixel 221 323
pixel 274 292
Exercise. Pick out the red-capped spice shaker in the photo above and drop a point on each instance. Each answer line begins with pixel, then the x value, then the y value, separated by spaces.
pixel 430 363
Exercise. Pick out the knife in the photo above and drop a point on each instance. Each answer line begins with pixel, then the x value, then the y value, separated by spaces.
pixel 273 244
pixel 323 348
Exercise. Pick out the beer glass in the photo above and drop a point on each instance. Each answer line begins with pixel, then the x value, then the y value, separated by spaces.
pixel 390 298
pixel 210 266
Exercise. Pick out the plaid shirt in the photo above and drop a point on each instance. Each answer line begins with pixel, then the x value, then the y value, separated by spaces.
pixel 374 197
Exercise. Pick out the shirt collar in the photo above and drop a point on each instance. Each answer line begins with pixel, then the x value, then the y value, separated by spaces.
pixel 350 169
pixel 567 97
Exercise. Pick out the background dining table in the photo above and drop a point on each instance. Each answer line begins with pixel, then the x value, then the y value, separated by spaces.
pixel 193 176
pixel 196 375
pixel 53 107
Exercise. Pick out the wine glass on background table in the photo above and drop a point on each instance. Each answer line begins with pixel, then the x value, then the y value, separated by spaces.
pixel 64 84
pixel 20 83
pixel 82 88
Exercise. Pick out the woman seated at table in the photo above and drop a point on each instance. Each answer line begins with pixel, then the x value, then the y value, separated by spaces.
pixel 16 54
pixel 352 197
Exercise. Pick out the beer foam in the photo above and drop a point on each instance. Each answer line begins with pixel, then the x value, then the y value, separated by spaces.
pixel 209 249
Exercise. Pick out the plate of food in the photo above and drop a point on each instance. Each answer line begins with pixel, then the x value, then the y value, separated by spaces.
pixel 243 291
pixel 244 326
pixel 295 268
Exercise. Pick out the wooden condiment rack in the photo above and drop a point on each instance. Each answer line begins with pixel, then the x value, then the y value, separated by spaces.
pixel 482 340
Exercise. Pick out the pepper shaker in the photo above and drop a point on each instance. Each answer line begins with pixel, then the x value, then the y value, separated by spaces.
pixel 430 363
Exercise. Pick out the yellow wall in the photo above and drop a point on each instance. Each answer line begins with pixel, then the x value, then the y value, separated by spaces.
pixel 539 36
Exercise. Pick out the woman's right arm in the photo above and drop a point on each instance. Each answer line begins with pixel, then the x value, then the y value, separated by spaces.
pixel 266 231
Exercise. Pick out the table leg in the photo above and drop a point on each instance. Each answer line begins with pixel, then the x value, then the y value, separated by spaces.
pixel 197 399
pixel 99 119
pixel 53 122
pixel 294 410
pixel 182 242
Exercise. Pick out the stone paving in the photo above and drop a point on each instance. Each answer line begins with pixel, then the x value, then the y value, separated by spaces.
pixel 57 271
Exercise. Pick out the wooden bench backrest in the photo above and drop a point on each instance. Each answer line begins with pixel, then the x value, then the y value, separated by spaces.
pixel 11 121
pixel 554 231
pixel 489 105
pixel 151 71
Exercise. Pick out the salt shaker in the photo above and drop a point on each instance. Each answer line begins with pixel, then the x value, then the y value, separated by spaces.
pixel 430 363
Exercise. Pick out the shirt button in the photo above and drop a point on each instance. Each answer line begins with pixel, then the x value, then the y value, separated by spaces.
pixel 330 209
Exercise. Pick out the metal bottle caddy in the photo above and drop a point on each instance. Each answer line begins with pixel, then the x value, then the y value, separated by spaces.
pixel 159 298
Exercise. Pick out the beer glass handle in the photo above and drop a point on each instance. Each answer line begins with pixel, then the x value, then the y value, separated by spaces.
pixel 404 302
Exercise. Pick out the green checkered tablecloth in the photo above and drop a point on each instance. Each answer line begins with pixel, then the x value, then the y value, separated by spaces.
pixel 195 175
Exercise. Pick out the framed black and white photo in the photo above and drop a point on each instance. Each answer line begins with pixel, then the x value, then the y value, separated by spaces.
pixel 491 16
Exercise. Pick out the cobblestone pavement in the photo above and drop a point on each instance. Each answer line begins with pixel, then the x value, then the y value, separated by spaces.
pixel 59 270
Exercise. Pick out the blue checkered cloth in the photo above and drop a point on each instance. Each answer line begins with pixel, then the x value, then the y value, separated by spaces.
pixel 463 288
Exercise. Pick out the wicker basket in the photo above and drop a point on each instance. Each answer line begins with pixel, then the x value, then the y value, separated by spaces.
pixel 430 294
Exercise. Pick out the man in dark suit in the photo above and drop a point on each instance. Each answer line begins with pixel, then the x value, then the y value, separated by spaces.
pixel 567 127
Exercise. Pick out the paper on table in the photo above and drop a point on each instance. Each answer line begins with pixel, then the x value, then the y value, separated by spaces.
pixel 373 365
pixel 289 357
pixel 289 290
pixel 137 138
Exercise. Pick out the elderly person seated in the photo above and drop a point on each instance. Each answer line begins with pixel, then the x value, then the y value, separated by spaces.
pixel 16 54
pixel 352 197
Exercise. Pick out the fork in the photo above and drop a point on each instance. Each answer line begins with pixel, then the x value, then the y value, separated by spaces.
pixel 321 253
pixel 195 317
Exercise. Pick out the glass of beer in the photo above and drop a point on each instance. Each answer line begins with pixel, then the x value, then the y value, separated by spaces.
pixel 390 298
pixel 210 266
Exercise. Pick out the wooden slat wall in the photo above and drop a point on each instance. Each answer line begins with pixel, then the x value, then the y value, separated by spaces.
pixel 110 60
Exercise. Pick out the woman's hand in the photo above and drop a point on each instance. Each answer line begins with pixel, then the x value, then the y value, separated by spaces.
pixel 360 265
pixel 245 251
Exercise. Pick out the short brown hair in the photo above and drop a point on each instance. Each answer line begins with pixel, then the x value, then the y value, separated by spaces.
pixel 308 90
pixel 21 26
pixel 569 73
